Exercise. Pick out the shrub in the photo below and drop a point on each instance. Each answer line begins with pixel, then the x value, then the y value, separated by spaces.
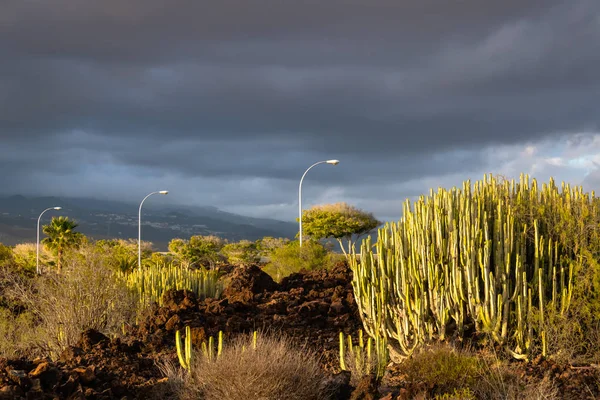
pixel 498 380
pixel 18 335
pixel 88 295
pixel 573 334
pixel 292 258
pixel 122 254
pixel 442 369
pixel 25 256
pixel 6 255
pixel 158 258
pixel 275 369
pixel 572 337
pixel 198 250
pixel 267 245
pixel 443 372
pixel 243 252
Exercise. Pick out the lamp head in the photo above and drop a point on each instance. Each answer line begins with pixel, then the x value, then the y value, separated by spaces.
pixel 57 208
pixel 333 162
pixel 164 192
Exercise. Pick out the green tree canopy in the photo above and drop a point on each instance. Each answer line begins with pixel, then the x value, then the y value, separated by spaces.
pixel 269 244
pixel 61 236
pixel 198 250
pixel 243 252
pixel 339 221
pixel 122 254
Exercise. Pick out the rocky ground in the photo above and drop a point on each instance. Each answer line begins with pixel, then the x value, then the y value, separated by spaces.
pixel 311 307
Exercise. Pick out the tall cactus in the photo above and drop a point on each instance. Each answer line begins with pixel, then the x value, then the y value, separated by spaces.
pixel 184 352
pixel 152 282
pixel 366 358
pixel 489 257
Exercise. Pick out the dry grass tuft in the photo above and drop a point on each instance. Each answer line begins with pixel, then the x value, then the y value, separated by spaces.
pixel 275 369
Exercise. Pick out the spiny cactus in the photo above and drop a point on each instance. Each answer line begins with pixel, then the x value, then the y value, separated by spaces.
pixel 151 282
pixel 491 258
pixel 365 359
pixel 184 353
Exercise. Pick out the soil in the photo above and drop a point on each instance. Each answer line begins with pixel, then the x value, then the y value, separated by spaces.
pixel 312 307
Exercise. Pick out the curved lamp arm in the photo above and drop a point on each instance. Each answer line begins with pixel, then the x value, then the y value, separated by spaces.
pixel 37 246
pixel 332 162
pixel 140 225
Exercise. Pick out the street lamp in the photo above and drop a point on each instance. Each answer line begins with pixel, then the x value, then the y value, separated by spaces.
pixel 332 162
pixel 37 255
pixel 140 226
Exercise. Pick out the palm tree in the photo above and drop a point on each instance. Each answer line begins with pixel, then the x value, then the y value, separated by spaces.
pixel 61 235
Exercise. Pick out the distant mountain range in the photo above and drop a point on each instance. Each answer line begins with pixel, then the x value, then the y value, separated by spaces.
pixel 101 219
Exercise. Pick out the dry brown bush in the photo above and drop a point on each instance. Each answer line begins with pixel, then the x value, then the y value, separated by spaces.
pixel 275 369
pixel 86 295
pixel 498 380
pixel 18 335
pixel 19 329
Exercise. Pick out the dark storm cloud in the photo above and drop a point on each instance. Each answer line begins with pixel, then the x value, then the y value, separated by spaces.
pixel 229 90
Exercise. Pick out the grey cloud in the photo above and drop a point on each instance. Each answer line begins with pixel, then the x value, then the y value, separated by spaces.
pixel 237 90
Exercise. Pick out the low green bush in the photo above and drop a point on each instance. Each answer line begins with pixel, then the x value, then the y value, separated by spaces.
pixel 6 255
pixel 441 371
pixel 292 258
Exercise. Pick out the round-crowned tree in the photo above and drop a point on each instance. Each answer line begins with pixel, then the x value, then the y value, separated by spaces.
pixel 339 221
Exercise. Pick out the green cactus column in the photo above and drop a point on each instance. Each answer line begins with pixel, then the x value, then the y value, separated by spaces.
pixel 486 256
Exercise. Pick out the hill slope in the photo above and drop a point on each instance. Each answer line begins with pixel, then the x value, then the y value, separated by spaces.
pixel 101 219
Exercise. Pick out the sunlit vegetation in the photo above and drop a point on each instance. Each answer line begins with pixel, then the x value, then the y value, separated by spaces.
pixel 263 366
pixel 98 284
pixel 469 282
pixel 503 259
pixel 150 282
pixel 339 221
pixel 292 258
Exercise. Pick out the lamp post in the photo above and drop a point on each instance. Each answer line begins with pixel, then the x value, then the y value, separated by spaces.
pixel 140 226
pixel 332 162
pixel 37 254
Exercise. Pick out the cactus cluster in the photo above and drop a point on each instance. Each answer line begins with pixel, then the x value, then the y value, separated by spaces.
pixel 185 352
pixel 365 359
pixel 151 282
pixel 487 258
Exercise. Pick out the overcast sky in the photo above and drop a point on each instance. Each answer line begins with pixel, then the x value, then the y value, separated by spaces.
pixel 226 103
